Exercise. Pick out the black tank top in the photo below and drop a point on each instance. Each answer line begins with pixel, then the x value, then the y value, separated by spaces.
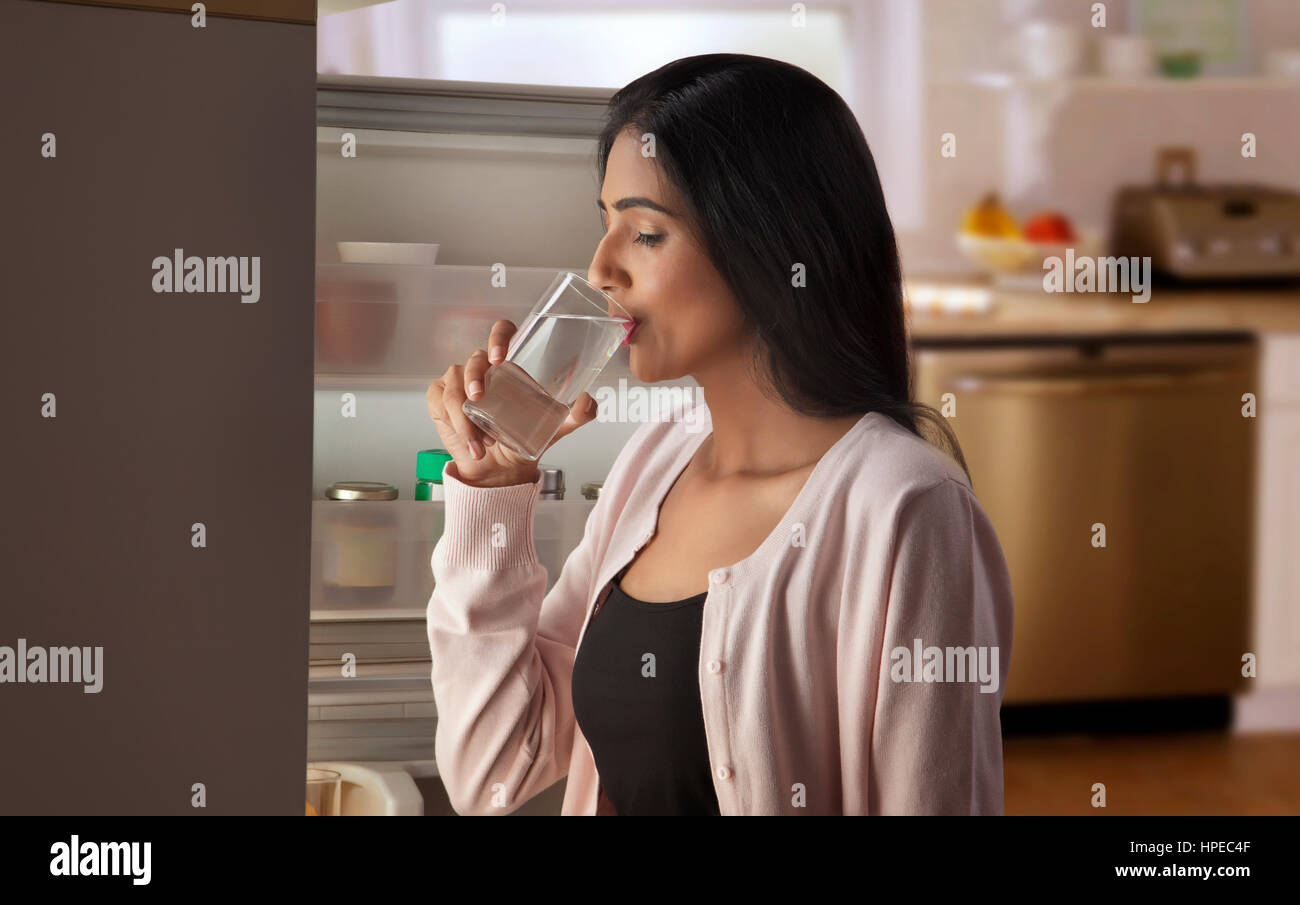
pixel 645 729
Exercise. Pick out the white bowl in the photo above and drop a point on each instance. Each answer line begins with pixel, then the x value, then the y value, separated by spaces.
pixel 1020 256
pixel 996 255
pixel 387 253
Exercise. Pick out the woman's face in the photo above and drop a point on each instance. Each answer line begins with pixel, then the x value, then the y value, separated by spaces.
pixel 653 267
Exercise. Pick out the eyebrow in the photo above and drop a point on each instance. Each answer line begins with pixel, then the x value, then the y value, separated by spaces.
pixel 624 203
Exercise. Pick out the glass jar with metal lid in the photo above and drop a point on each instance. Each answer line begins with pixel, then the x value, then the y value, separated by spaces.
pixel 359 544
pixel 360 490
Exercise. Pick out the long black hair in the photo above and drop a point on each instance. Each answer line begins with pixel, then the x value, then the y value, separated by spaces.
pixel 777 173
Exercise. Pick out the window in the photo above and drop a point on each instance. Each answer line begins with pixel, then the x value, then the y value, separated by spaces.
pixel 869 52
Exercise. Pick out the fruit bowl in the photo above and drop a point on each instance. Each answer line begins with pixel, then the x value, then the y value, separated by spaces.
pixel 996 254
pixel 1018 260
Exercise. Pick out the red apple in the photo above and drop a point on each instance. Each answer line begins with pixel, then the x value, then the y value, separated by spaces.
pixel 1049 226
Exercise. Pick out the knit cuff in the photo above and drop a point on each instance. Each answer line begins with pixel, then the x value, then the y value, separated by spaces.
pixel 488 527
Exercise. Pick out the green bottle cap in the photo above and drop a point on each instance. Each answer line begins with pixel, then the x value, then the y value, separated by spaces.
pixel 429 464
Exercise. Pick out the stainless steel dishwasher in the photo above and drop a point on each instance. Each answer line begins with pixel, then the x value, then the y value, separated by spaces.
pixel 1145 436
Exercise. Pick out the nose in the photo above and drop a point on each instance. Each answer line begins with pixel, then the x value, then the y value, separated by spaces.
pixel 609 278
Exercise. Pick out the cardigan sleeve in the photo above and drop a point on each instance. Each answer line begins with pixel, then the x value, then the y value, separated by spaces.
pixel 502 652
pixel 935 747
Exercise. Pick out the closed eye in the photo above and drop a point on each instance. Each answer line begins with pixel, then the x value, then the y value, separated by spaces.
pixel 648 239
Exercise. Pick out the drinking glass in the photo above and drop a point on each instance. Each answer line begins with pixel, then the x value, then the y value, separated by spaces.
pixel 558 352
pixel 323 790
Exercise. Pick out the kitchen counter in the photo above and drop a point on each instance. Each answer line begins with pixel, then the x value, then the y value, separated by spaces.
pixel 1019 313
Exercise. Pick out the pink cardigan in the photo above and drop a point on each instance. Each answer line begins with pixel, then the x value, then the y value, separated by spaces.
pixel 810 703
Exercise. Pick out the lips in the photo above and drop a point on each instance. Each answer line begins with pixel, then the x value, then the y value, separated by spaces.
pixel 632 327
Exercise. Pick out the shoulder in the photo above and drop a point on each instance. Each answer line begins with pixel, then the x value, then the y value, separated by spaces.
pixel 892 493
pixel 887 466
pixel 925 517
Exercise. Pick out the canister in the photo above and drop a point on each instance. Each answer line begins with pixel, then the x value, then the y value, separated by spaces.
pixel 428 473
pixel 552 484
pixel 360 551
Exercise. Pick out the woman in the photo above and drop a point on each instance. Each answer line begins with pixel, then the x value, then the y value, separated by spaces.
pixel 746 626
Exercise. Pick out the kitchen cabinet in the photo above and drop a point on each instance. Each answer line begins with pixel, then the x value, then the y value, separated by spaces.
pixel 1271 314
pixel 1139 437
pixel 1277 577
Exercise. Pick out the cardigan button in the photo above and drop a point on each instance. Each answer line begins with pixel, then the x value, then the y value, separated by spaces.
pixel 724 772
pixel 718 576
pixel 715 667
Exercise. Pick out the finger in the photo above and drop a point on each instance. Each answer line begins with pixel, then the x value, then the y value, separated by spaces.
pixel 433 400
pixel 475 368
pixel 453 397
pixel 499 340
pixel 583 410
pixel 451 440
pixel 433 397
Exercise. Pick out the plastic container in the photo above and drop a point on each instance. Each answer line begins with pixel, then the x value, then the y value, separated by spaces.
pixel 429 464
pixel 413 531
pixel 441 312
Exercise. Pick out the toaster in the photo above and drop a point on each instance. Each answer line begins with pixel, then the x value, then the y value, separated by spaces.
pixel 1196 232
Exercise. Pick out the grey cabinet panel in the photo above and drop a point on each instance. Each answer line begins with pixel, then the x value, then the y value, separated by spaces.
pixel 170 408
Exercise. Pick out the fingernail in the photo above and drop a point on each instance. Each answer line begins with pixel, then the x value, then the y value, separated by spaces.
pixel 475 389
pixel 475 450
pixel 497 353
pixel 488 441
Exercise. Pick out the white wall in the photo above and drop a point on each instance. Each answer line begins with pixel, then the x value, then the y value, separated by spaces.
pixel 1092 141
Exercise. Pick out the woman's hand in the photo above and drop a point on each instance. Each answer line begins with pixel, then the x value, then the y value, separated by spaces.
pixel 480 461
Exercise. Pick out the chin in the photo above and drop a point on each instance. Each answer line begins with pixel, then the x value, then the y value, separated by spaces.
pixel 637 371
pixel 647 373
pixel 637 365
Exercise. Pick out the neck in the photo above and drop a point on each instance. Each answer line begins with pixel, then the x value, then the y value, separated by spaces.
pixel 754 436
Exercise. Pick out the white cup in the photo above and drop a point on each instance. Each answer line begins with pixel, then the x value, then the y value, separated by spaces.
pixel 1048 50
pixel 1126 57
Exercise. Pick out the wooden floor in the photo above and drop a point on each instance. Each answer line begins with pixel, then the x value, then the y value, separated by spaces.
pixel 1191 773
